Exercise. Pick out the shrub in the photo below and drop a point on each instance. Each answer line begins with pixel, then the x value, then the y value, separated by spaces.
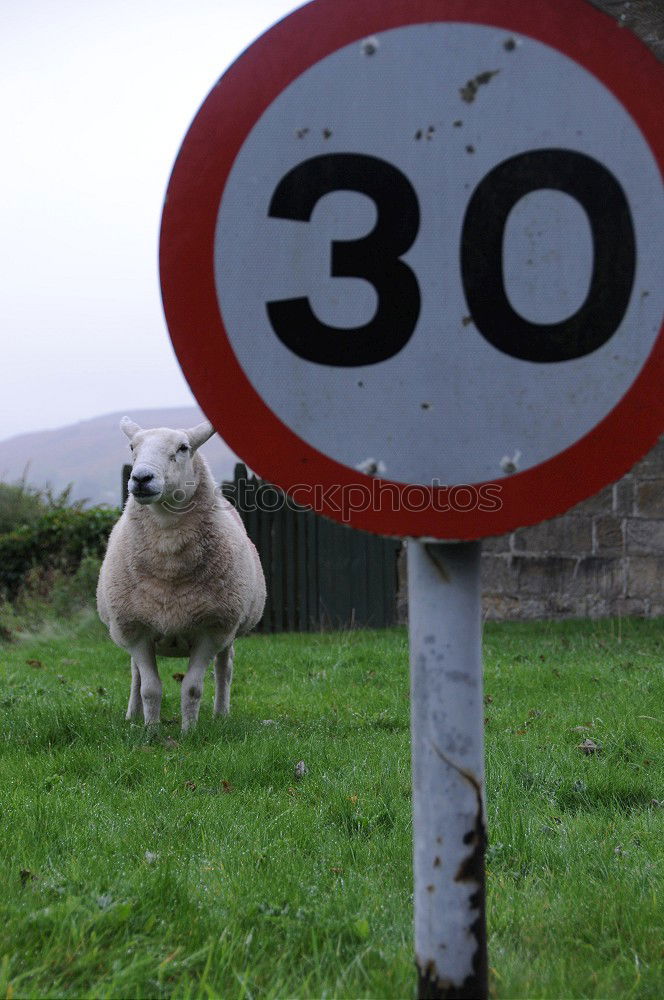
pixel 58 540
pixel 22 505
pixel 50 600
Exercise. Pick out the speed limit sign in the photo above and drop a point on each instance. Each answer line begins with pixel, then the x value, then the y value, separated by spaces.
pixel 412 253
pixel 412 265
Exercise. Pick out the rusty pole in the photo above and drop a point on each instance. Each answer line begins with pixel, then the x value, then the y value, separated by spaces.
pixel 447 723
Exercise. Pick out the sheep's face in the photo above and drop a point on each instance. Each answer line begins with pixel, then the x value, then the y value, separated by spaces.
pixel 162 467
pixel 163 463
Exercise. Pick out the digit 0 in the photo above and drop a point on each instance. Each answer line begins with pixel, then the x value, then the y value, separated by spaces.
pixel 614 256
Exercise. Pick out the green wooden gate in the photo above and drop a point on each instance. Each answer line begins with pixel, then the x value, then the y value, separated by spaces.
pixel 319 574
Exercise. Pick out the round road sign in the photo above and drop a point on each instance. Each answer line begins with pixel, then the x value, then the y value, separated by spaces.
pixel 411 259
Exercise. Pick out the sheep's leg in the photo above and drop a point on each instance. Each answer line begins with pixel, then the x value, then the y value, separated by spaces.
pixel 135 707
pixel 192 684
pixel 223 676
pixel 149 681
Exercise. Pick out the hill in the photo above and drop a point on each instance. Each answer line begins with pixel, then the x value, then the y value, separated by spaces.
pixel 90 454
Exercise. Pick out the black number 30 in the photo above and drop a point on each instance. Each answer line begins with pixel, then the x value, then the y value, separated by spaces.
pixel 377 257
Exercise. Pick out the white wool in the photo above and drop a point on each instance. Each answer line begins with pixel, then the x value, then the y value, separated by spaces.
pixel 180 576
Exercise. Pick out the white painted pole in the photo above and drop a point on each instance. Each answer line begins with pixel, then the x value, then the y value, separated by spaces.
pixel 447 721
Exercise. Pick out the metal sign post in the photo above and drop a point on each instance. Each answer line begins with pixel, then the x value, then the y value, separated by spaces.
pixel 447 722
pixel 411 264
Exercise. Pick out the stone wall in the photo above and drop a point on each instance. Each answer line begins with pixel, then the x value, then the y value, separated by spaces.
pixel 644 17
pixel 603 557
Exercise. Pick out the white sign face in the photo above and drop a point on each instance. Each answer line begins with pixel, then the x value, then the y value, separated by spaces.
pixel 412 260
pixel 507 195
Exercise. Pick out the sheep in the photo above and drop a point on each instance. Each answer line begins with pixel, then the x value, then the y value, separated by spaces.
pixel 180 576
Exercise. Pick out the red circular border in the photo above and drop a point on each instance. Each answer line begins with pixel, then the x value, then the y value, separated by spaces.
pixel 596 41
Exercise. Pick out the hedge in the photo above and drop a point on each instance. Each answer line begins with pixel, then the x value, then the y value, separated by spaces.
pixel 60 539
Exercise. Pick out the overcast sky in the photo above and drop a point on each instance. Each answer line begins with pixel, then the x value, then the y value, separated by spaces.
pixel 95 99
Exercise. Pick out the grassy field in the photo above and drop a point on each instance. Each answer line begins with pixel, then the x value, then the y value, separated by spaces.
pixel 138 866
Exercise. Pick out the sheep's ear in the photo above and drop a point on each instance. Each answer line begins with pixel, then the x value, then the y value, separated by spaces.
pixel 200 434
pixel 129 427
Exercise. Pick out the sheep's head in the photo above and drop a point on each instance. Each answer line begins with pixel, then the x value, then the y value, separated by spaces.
pixel 163 462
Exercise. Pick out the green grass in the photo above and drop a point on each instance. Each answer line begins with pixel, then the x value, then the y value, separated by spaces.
pixel 198 866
